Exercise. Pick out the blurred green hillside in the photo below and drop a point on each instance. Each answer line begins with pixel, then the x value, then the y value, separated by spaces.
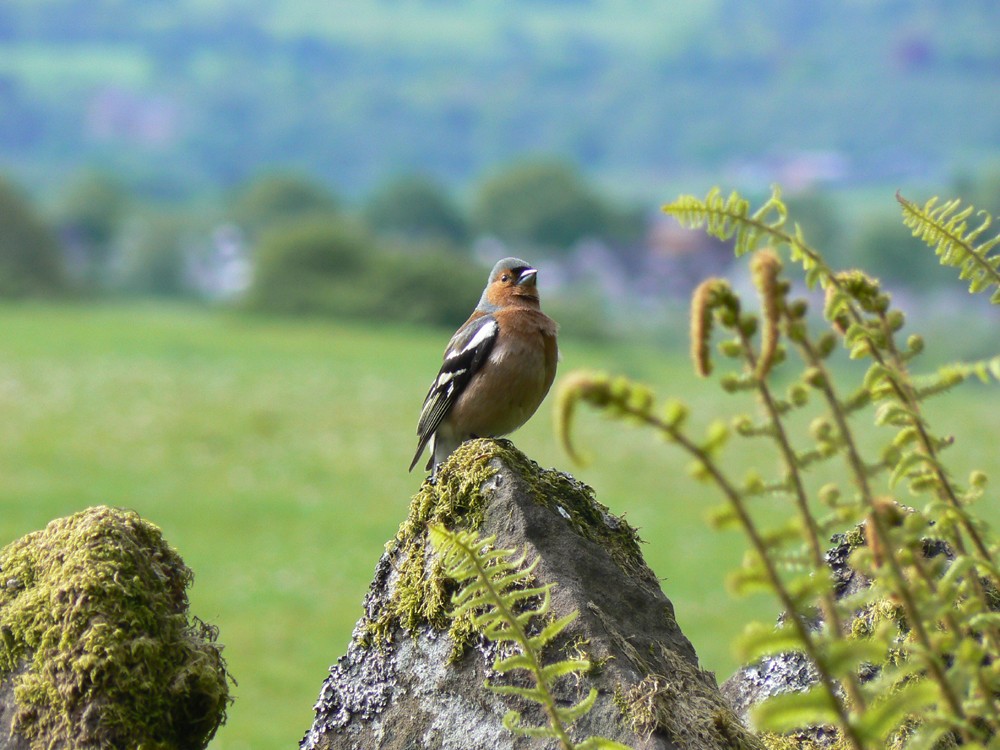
pixel 182 97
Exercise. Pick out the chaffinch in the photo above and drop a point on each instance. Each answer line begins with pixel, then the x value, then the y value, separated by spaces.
pixel 497 367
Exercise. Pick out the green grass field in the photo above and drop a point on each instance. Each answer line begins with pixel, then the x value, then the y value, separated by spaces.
pixel 273 454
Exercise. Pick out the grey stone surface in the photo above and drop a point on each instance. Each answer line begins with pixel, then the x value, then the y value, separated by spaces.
pixel 9 740
pixel 407 695
pixel 791 671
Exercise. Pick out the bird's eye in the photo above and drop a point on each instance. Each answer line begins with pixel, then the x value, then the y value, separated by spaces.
pixel 505 278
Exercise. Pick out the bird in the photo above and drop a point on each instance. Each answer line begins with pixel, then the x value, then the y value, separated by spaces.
pixel 497 368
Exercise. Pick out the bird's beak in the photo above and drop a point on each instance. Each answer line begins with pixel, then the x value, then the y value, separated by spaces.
pixel 528 277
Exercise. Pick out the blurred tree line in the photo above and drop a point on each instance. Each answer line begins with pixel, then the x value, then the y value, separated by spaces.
pixel 285 243
pixel 405 252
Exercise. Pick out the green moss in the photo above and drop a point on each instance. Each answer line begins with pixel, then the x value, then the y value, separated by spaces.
pixel 773 741
pixel 422 594
pixel 856 537
pixel 869 620
pixel 681 701
pixel 834 739
pixel 665 704
pixel 95 604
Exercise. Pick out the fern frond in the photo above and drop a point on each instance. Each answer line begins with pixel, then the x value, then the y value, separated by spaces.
pixel 928 624
pixel 787 711
pixel 730 217
pixel 956 372
pixel 766 271
pixel 945 228
pixel 498 588
pixel 884 717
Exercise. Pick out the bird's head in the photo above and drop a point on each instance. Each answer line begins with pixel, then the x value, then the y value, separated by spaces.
pixel 511 282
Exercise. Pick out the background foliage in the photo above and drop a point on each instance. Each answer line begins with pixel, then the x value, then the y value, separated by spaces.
pixel 30 259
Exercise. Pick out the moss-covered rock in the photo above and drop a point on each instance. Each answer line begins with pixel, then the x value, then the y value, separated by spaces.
pixel 97 641
pixel 421 593
pixel 413 677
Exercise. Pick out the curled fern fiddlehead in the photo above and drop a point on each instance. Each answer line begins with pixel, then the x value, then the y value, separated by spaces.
pixel 766 269
pixel 711 295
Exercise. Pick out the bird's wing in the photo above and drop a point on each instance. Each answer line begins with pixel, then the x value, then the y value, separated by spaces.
pixel 466 353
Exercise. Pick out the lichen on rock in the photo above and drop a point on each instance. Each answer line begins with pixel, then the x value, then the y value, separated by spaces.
pixel 97 640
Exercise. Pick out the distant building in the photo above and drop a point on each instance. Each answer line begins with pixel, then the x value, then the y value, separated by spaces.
pixel 225 271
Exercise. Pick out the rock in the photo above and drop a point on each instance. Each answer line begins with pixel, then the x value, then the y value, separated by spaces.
pixel 751 685
pixel 96 646
pixel 413 678
pixel 792 671
pixel 9 739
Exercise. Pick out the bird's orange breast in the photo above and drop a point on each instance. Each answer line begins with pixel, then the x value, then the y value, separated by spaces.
pixel 511 385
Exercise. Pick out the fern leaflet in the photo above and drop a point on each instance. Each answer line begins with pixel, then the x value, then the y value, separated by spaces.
pixel 945 228
pixel 726 218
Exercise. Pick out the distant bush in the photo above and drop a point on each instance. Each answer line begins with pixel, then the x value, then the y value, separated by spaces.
pixel 542 203
pixel 581 315
pixel 332 266
pixel 90 216
pixel 418 208
pixel 431 285
pixel 981 189
pixel 30 257
pixel 151 257
pixel 277 197
pixel 888 251
pixel 312 265
pixel 817 213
